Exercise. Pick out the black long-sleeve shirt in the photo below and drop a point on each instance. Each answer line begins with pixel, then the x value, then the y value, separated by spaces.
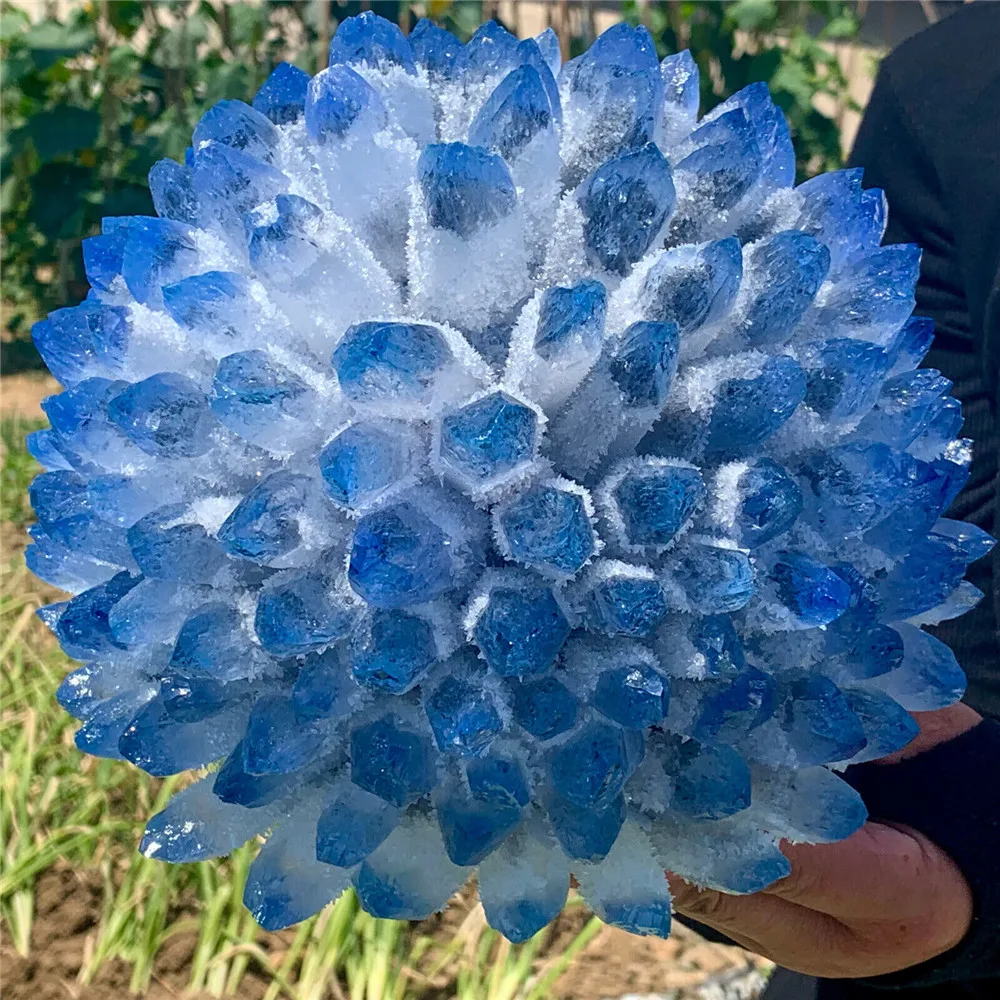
pixel 931 139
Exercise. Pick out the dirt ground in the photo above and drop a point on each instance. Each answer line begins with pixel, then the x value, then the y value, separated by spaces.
pixel 21 395
pixel 67 912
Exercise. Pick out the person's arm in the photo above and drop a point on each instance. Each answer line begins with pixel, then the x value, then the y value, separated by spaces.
pixel 886 899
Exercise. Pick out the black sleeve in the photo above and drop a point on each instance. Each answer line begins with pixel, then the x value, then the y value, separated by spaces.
pixel 951 794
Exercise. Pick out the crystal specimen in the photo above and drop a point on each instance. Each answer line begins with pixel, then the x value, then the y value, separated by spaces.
pixel 486 464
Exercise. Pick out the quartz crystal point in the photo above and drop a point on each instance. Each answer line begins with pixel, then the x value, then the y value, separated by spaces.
pixel 480 463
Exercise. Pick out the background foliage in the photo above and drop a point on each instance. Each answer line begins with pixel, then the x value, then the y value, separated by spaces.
pixel 91 101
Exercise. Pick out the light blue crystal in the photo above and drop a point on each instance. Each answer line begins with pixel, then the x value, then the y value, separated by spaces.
pixel 352 825
pixel 391 761
pixel 154 611
pixel 160 744
pixel 43 447
pixel 157 252
pixel 231 182
pixel 548 528
pixel 521 630
pixel 194 699
pixel 810 590
pixel 299 611
pixel 888 726
pixel 337 98
pixel 625 605
pixel 568 314
pixel 282 97
pixel 633 694
pixel 466 188
pixel 680 82
pixel 790 268
pixel 71 341
pixel 83 630
pixel 463 716
pixel 591 768
pixel 120 500
pixel 913 341
pixel 714 579
pixel 693 287
pixel 324 688
pixel 490 50
pixel 545 708
pixel 749 410
pixel 400 557
pixel 858 655
pixel 379 360
pixel 513 115
pixel 489 437
pixel 434 48
pixel 265 523
pixel 529 55
pixel 723 166
pixel 284 236
pixel 625 203
pixel 250 391
pixel 102 255
pixel 168 545
pixel 278 739
pixel 172 188
pixel 926 575
pixel 716 639
pixel 371 40
pixel 770 502
pixel 392 650
pixel 907 405
pixel 654 503
pixel 100 733
pixel 236 124
pixel 212 301
pixel 968 538
pixel 212 642
pixel 643 363
pixel 165 415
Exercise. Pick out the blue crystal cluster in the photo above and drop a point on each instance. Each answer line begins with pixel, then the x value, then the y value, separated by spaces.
pixel 485 463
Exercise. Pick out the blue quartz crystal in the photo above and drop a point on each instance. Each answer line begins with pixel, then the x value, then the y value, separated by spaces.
pixel 568 314
pixel 489 437
pixel 390 360
pixel 656 502
pixel 548 528
pixel 644 362
pixel 399 557
pixel 545 708
pixel 463 716
pixel 770 502
pixel 633 695
pixel 282 98
pixel 520 631
pixel 391 761
pixel 625 204
pixel 336 99
pixel 370 40
pixel 466 188
pixel 392 650
pixel 166 415
pixel 361 463
pixel 750 410
pixel 499 477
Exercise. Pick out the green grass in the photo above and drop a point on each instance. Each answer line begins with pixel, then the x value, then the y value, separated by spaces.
pixel 58 807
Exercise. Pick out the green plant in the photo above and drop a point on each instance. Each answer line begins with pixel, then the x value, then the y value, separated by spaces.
pixel 786 44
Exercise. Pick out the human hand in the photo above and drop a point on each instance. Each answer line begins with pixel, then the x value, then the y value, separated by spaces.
pixel 884 899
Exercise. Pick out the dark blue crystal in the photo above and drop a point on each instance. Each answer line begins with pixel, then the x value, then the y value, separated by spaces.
pixel 516 111
pixel 391 761
pixel 336 98
pixel 379 360
pixel 434 48
pixel 566 313
pixel 521 631
pixel 711 780
pixel 301 612
pixel 472 828
pixel 843 376
pixel 497 779
pixel 392 651
pixel 817 721
pixel 168 545
pixel 714 579
pixel 282 97
pixel 236 124
pixel 625 203
pixel 634 695
pixel 643 363
pixel 265 523
pixel 235 785
pixel 360 463
pixel 489 437
pixel 278 740
pixel 324 687
pixel 625 605
pixel 353 823
pixel 770 502
pixel 732 708
pixel 591 769
pixel 548 528
pixel 545 708
pixel 463 716
pixel 716 639
pixel 399 557
pixel 655 503
pixel 212 301
pixel 586 832
pixel 814 593
pixel 466 188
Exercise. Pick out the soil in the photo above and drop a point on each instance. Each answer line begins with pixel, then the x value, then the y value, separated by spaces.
pixel 21 395
pixel 68 909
